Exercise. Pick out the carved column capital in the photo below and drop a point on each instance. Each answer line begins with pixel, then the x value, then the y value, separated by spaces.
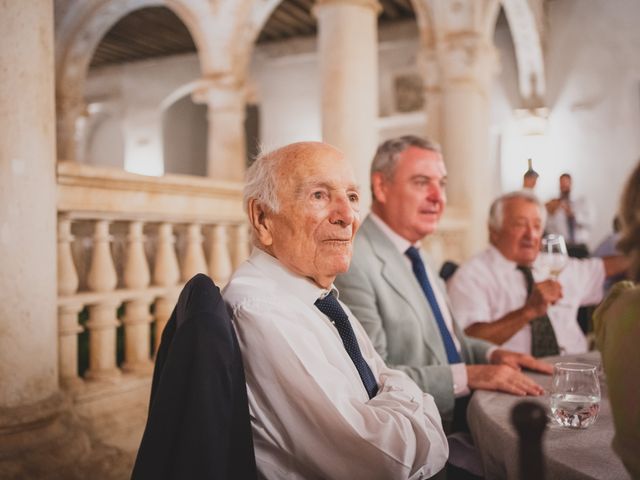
pixel 459 60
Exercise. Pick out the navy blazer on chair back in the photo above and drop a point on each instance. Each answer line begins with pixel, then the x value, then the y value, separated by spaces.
pixel 198 425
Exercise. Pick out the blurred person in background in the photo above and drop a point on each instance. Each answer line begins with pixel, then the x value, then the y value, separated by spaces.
pixel 571 217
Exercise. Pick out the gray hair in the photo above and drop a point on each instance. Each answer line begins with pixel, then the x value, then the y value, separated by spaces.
pixel 496 212
pixel 388 153
pixel 261 182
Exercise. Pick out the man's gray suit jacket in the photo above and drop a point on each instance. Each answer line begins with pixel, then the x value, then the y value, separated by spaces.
pixel 385 296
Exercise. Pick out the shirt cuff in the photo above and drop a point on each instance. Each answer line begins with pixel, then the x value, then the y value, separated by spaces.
pixel 490 352
pixel 460 380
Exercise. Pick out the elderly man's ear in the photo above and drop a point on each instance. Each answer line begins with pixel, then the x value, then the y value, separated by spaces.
pixel 261 222
pixel 493 235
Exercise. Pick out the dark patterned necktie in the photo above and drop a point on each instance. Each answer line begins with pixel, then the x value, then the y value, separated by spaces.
pixel 571 225
pixel 330 306
pixel 420 272
pixel 543 338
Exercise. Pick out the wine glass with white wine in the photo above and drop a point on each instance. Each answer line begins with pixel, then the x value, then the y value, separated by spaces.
pixel 554 254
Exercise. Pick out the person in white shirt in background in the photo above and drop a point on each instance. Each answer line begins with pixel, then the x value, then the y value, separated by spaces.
pixel 491 297
pixel 323 403
pixel 571 217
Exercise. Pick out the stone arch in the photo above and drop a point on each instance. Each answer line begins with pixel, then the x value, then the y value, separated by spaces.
pixel 526 32
pixel 260 15
pixel 77 37
pixel 425 24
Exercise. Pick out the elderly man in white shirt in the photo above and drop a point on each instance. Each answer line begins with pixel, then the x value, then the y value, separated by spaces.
pixel 323 404
pixel 504 295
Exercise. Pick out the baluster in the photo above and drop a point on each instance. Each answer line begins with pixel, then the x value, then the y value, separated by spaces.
pixel 219 257
pixel 67 274
pixel 166 274
pixel 242 244
pixel 103 319
pixel 136 320
pixel 136 269
pixel 68 330
pixel 102 273
pixel 102 325
pixel 194 261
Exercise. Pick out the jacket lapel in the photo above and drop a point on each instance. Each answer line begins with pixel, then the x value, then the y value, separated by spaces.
pixel 400 278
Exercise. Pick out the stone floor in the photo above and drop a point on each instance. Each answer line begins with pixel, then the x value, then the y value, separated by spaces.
pixel 75 446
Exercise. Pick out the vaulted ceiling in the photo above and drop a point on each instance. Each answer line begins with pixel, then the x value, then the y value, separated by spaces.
pixel 156 31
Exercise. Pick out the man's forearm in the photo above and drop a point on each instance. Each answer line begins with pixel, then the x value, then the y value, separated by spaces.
pixel 501 330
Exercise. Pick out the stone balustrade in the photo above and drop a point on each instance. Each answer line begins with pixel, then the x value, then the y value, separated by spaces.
pixel 126 245
pixel 122 266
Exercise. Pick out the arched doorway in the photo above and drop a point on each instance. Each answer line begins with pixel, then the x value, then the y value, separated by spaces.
pixel 184 137
pixel 131 71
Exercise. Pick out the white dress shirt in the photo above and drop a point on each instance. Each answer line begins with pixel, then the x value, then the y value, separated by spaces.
pixel 489 286
pixel 458 370
pixel 310 413
pixel 583 215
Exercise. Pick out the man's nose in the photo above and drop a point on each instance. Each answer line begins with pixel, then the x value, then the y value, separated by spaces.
pixel 529 231
pixel 343 210
pixel 436 193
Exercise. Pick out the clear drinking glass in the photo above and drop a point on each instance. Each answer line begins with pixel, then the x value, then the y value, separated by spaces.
pixel 575 395
pixel 554 254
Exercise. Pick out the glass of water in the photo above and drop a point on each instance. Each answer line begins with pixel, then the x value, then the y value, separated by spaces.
pixel 575 395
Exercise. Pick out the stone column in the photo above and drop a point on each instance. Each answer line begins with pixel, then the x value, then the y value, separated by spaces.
pixel 459 111
pixel 348 62
pixel 69 109
pixel 30 402
pixel 226 151
pixel 428 65
pixel 28 355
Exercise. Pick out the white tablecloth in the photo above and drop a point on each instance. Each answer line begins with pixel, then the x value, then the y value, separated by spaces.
pixel 569 453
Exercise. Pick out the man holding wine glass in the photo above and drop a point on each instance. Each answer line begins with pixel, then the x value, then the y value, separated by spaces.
pixel 514 296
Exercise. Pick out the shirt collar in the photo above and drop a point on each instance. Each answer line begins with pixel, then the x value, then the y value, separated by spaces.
pixel 501 260
pixel 298 285
pixel 398 241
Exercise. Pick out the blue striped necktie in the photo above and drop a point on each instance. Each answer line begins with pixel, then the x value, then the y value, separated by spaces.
pixel 330 306
pixel 421 274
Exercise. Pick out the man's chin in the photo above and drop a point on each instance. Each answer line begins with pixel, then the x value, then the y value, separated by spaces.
pixel 427 229
pixel 527 258
pixel 339 265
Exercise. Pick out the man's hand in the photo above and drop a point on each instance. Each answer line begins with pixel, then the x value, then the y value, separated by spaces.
pixel 502 378
pixel 542 295
pixel 519 360
pixel 553 205
pixel 566 206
